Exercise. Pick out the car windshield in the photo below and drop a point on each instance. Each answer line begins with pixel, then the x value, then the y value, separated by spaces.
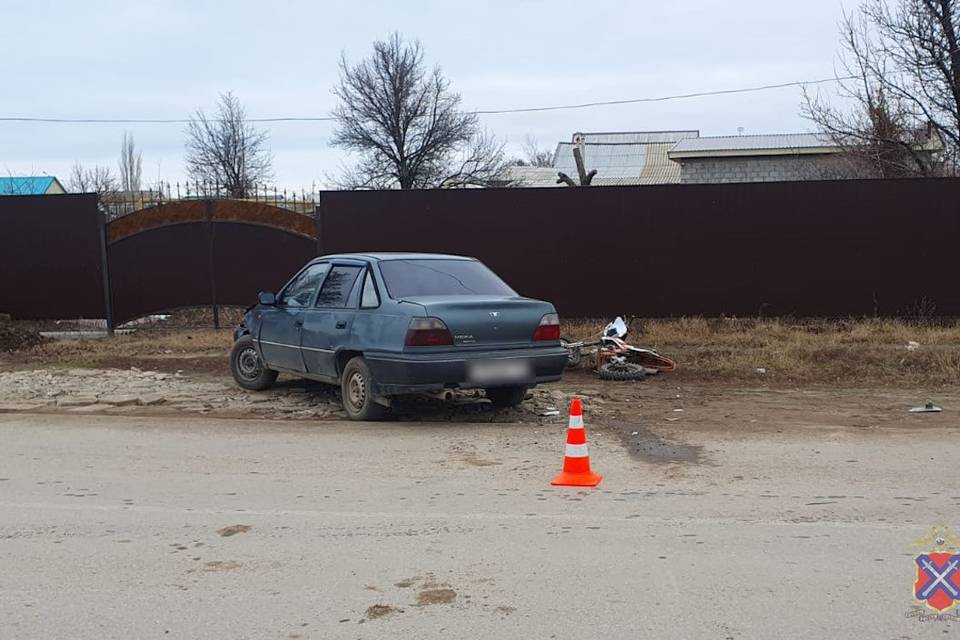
pixel 438 277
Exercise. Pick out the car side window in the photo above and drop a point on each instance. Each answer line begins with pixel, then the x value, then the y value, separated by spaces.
pixel 299 292
pixel 370 299
pixel 337 287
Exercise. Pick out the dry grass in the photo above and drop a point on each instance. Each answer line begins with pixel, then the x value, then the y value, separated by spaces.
pixel 850 352
pixel 200 349
pixel 847 352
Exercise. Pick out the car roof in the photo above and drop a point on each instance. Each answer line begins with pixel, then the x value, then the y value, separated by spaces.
pixel 391 255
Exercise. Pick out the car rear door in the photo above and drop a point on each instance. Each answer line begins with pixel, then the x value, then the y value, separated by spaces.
pixel 327 324
pixel 281 324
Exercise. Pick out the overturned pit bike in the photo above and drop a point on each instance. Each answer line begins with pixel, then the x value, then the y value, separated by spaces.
pixel 613 358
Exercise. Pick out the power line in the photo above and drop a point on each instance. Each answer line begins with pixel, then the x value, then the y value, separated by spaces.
pixel 151 120
pixel 560 107
pixel 682 96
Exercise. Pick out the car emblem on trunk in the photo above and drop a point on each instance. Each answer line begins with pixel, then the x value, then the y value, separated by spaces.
pixel 494 314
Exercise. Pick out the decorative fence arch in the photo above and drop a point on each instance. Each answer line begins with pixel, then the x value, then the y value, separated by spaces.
pixel 191 253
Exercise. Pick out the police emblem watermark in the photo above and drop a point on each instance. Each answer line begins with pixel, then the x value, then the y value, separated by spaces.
pixel 936 587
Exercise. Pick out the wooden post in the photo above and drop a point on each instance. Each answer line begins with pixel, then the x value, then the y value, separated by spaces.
pixel 581 169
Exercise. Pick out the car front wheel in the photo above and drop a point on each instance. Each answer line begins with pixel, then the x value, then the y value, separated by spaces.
pixel 506 396
pixel 247 367
pixel 356 389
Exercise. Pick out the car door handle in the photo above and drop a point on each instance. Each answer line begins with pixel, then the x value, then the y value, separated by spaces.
pixel 342 325
pixel 298 323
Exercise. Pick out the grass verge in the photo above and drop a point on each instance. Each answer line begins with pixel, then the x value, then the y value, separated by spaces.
pixel 779 352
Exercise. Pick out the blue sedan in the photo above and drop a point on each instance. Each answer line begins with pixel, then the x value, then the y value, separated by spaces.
pixel 386 324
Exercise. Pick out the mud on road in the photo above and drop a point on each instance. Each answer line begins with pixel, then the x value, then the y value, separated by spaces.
pixel 640 414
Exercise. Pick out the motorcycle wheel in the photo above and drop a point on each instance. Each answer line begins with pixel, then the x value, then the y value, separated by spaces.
pixel 621 371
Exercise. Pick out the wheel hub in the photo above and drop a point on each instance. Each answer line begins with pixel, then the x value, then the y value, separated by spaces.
pixel 357 390
pixel 248 364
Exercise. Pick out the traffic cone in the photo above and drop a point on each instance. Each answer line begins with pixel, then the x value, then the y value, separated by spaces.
pixel 576 463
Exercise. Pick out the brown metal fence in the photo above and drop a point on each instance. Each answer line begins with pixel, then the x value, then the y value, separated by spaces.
pixel 50 257
pixel 802 249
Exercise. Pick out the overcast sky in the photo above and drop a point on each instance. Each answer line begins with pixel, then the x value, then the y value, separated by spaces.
pixel 125 59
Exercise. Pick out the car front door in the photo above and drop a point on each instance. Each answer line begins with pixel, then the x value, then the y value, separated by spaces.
pixel 281 324
pixel 326 326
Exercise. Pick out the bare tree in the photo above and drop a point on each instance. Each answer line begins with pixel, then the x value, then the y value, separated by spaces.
pixel 97 179
pixel 534 155
pixel 405 124
pixel 477 165
pixel 225 153
pixel 900 68
pixel 130 160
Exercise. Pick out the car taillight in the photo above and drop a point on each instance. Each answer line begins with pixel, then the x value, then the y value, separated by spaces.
pixel 428 332
pixel 549 328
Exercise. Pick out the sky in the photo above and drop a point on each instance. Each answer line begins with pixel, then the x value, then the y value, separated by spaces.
pixel 129 59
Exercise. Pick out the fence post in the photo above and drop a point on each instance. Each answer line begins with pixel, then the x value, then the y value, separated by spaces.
pixel 211 235
pixel 105 270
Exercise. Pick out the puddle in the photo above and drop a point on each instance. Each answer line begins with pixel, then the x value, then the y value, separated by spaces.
pixel 649 447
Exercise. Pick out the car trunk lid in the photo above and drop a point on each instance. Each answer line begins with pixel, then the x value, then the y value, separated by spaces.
pixel 486 320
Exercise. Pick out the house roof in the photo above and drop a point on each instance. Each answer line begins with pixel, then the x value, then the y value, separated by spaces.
pixel 626 163
pixel 531 176
pixel 624 158
pixel 632 137
pixel 620 158
pixel 27 185
pixel 753 145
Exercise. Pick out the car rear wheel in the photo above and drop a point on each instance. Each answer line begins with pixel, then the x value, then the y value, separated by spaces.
pixel 506 396
pixel 356 389
pixel 247 367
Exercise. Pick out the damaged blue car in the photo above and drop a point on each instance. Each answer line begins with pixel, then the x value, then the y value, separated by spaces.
pixel 387 324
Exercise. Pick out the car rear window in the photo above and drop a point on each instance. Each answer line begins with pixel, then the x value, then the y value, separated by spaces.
pixel 438 277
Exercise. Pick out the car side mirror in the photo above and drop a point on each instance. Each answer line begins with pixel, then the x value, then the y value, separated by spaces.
pixel 267 298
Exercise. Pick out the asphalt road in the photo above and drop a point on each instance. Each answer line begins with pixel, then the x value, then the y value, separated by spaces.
pixel 109 529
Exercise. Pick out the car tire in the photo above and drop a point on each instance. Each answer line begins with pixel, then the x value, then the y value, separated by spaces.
pixel 506 396
pixel 621 371
pixel 574 354
pixel 356 391
pixel 247 367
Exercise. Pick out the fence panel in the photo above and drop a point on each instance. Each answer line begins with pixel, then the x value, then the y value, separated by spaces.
pixel 800 248
pixel 50 257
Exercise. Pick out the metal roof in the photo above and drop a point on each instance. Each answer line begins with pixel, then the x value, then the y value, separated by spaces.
pixel 26 185
pixel 754 145
pixel 531 176
pixel 620 158
pixel 643 163
pixel 633 137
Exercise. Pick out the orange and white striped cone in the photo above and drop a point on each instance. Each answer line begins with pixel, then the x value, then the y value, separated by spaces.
pixel 576 462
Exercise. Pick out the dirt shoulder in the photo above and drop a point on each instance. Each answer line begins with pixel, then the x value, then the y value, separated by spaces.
pixel 731 375
pixel 641 414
